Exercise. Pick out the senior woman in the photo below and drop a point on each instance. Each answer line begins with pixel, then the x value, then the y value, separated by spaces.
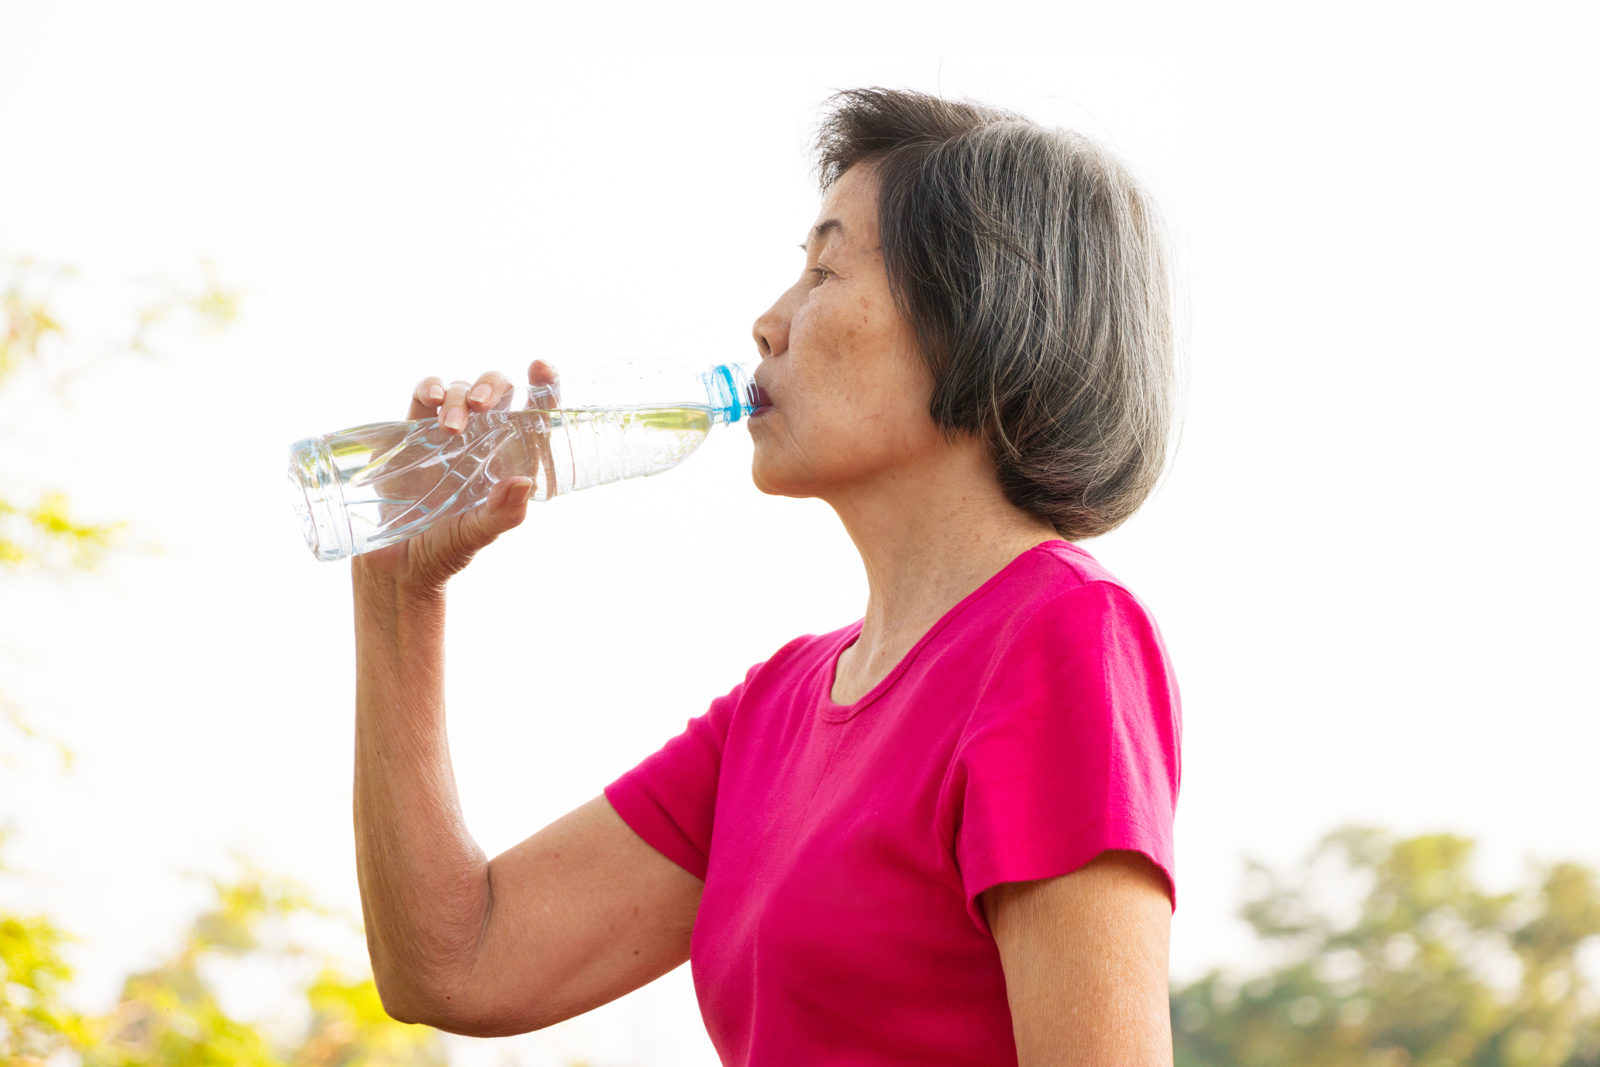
pixel 939 835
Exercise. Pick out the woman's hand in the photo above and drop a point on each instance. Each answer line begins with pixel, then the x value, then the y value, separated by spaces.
pixel 424 563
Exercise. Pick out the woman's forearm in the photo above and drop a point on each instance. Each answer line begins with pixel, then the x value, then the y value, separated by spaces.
pixel 424 881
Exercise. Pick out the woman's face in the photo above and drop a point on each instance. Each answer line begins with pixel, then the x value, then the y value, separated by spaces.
pixel 847 390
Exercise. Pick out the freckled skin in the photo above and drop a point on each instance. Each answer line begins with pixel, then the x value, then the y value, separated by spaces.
pixel 850 394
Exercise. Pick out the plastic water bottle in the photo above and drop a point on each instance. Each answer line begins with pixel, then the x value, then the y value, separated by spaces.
pixel 370 486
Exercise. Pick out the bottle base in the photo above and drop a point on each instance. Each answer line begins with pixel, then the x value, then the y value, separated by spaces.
pixel 318 500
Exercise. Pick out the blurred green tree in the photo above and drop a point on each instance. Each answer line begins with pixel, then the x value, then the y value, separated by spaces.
pixel 41 532
pixel 171 1014
pixel 1391 955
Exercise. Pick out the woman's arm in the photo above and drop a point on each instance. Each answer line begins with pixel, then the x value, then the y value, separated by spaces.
pixel 1085 958
pixel 575 916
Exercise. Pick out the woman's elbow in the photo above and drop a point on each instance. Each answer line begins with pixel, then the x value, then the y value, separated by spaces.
pixel 458 1011
pixel 403 1002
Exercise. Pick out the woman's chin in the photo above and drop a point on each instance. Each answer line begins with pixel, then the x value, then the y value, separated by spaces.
pixel 775 482
pixel 772 488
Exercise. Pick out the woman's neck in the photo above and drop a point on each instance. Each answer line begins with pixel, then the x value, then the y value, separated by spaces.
pixel 927 542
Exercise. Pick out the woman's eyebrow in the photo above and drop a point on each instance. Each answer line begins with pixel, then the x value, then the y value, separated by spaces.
pixel 821 230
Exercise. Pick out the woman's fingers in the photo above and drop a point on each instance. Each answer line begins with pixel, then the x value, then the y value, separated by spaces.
pixel 451 404
pixel 492 391
pixel 453 409
pixel 544 394
pixel 546 384
pixel 425 398
pixel 500 392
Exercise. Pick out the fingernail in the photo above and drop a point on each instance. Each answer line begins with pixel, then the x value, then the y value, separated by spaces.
pixel 436 392
pixel 455 420
pixel 481 393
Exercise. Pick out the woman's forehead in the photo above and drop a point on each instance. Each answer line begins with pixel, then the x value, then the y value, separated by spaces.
pixel 849 212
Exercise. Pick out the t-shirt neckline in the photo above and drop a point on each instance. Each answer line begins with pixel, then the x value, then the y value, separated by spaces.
pixel 830 711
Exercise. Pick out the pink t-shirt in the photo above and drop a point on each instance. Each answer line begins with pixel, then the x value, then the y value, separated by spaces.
pixel 843 847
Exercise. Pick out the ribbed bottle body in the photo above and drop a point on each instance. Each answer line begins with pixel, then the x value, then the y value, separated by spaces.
pixel 370 486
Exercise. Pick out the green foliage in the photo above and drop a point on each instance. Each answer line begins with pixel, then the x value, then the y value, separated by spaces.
pixel 172 1013
pixel 1411 964
pixel 350 1026
pixel 41 533
pixel 27 324
pixel 35 1021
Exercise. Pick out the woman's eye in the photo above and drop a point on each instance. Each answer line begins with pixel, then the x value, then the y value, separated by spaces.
pixel 822 273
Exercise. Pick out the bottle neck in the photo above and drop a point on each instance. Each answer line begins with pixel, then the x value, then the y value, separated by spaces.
pixel 731 390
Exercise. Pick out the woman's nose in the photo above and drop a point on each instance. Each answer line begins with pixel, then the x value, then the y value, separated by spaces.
pixel 771 331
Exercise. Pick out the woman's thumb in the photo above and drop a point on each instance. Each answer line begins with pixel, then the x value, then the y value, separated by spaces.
pixel 508 504
pixel 452 546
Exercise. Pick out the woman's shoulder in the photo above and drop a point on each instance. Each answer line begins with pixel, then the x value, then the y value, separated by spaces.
pixel 1053 598
pixel 1055 575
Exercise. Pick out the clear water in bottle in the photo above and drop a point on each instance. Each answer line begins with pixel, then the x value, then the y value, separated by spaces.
pixel 374 485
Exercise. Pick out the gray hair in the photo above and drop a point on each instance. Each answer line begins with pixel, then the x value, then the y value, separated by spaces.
pixel 1033 270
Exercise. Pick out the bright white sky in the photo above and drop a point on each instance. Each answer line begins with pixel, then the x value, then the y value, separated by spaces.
pixel 1373 562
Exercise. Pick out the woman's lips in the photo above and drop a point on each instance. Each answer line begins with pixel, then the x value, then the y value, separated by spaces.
pixel 760 400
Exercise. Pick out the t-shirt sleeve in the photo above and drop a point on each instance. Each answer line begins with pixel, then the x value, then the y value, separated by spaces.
pixel 670 799
pixel 1073 749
